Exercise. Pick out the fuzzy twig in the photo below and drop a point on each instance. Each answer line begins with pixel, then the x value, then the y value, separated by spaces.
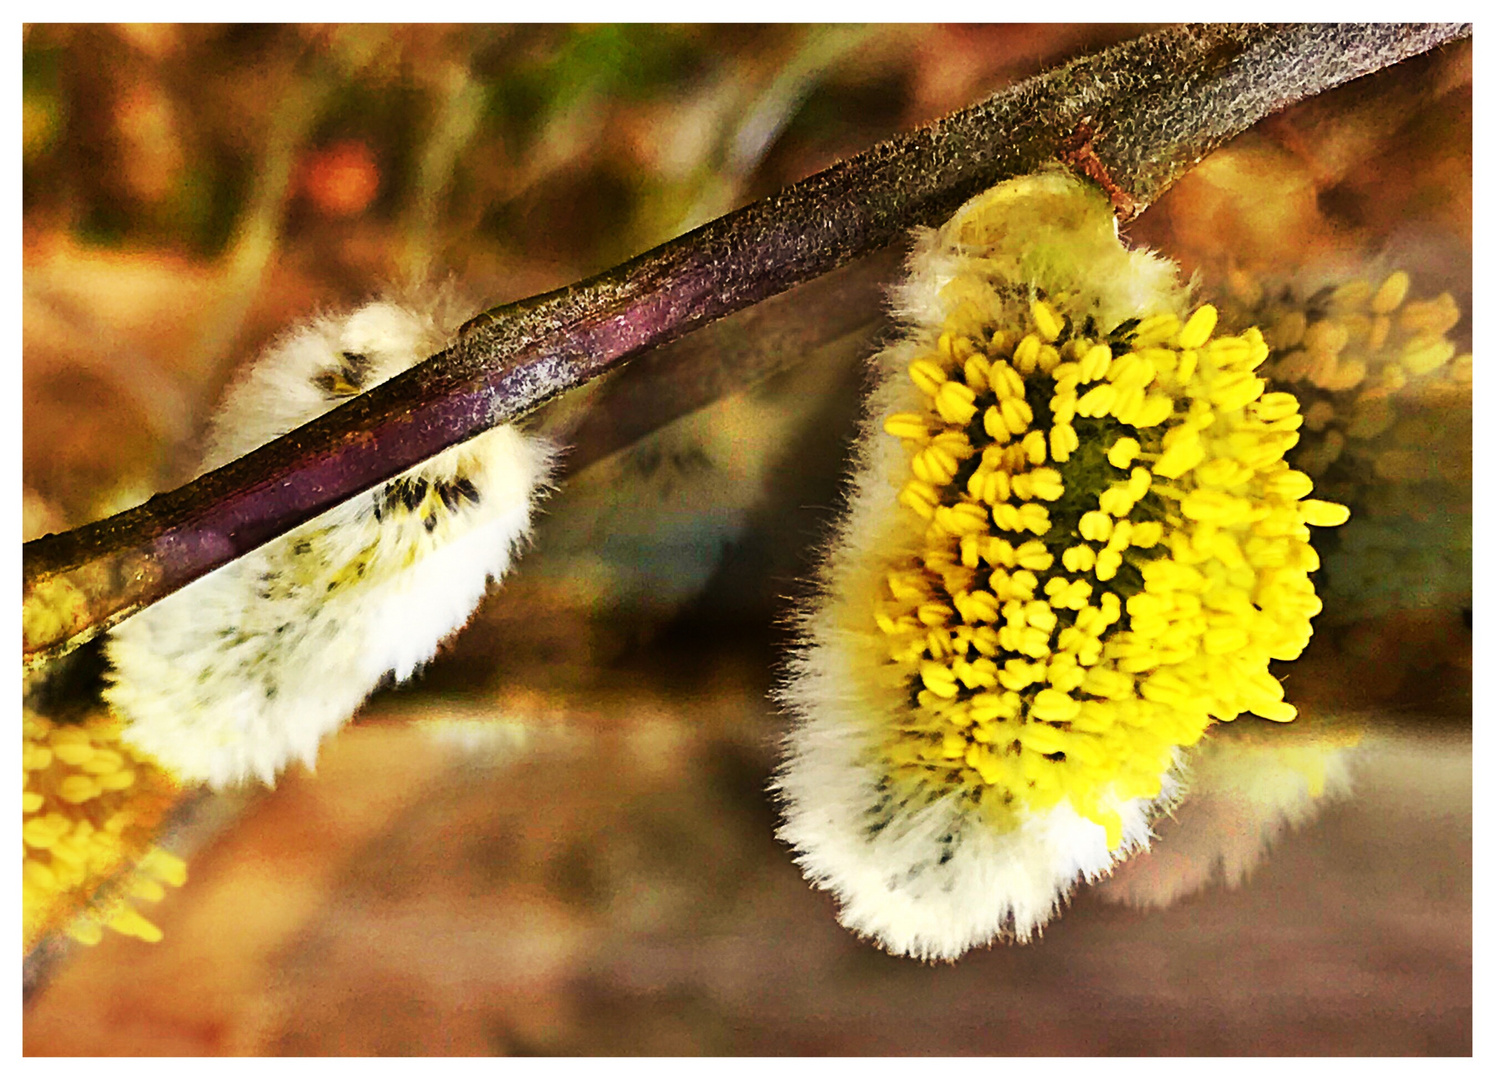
pixel 1135 118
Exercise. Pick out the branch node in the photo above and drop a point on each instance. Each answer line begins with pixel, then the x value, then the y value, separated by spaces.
pixel 1077 150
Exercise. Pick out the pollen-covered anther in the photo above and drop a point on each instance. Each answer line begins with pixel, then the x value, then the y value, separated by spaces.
pixel 1048 324
pixel 1426 353
pixel 927 375
pixel 908 426
pixel 1123 451
pixel 962 519
pixel 920 497
pixel 1200 326
pixel 1072 595
pixel 1289 484
pixel 1063 441
pixel 1032 450
pixel 1031 555
pixel 1025 356
pixel 938 679
pixel 1054 706
pixel 1095 363
pixel 977 373
pixel 1096 401
pixel 1324 514
pixel 1235 389
pixel 1005 381
pixel 1079 559
pixel 1182 450
pixel 1155 330
pixel 955 402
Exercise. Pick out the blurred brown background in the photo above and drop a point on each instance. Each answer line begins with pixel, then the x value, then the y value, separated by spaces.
pixel 557 839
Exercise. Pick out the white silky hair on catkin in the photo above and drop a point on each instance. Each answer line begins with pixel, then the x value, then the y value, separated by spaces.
pixel 251 666
pixel 895 884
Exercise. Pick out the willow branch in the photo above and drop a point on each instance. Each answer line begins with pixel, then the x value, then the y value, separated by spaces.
pixel 1135 118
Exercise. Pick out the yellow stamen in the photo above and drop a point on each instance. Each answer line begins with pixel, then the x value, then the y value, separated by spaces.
pixel 906 426
pixel 1324 514
pixel 1200 326
pixel 1049 325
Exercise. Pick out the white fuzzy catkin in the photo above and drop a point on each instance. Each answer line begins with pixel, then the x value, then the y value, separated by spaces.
pixel 250 667
pixel 937 879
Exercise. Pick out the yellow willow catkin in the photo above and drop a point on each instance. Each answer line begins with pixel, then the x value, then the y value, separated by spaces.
pixel 89 807
pixel 1073 545
pixel 1387 400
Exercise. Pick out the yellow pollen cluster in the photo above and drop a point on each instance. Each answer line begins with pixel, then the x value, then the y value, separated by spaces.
pixel 1360 355
pixel 1113 552
pixel 1387 398
pixel 89 806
